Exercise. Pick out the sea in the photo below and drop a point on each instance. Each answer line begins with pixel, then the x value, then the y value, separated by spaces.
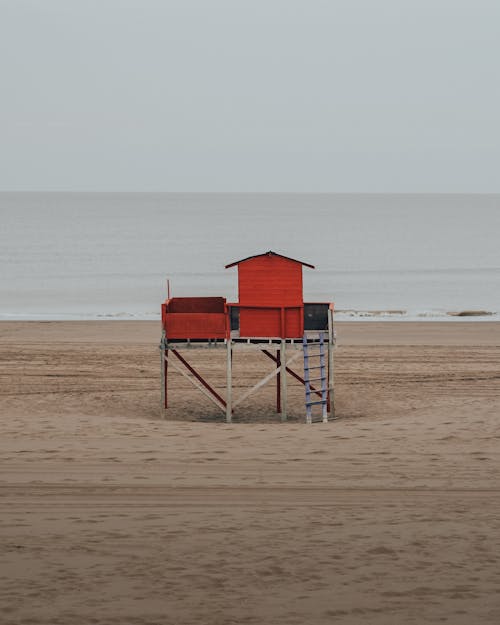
pixel 377 257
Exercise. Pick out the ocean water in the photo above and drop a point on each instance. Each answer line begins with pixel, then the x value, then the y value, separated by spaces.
pixel 108 255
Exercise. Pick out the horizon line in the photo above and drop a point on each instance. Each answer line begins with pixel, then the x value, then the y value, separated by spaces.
pixel 116 191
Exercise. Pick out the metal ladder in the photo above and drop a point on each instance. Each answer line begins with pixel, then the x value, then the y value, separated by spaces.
pixel 317 367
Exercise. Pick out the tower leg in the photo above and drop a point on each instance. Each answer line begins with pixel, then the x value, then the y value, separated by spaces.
pixel 278 382
pixel 229 382
pixel 164 373
pixel 283 380
pixel 331 343
pixel 165 360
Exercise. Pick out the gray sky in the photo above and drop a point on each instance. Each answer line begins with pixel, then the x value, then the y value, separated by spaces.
pixel 250 95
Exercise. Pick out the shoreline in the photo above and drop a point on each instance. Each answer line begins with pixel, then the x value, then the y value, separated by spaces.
pixel 358 316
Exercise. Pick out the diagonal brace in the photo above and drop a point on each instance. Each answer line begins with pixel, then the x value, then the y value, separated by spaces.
pixel 201 383
pixel 290 371
pixel 263 381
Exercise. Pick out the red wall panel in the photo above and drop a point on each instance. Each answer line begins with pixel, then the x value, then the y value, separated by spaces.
pixel 270 280
pixel 263 322
pixel 195 325
pixel 294 323
pixel 271 322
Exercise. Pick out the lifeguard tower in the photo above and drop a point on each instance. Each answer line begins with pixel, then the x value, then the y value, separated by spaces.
pixel 270 316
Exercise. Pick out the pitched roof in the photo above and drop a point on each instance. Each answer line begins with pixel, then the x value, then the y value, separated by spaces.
pixel 270 253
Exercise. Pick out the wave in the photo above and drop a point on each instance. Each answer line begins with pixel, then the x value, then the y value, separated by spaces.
pixel 340 315
pixel 425 315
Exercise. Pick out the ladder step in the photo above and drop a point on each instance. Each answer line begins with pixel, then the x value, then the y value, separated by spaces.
pixel 316 379
pixel 315 367
pixel 314 403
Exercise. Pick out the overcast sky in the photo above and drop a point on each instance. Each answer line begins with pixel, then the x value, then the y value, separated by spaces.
pixel 250 95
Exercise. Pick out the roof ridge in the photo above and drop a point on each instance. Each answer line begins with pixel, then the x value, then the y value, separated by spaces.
pixel 269 253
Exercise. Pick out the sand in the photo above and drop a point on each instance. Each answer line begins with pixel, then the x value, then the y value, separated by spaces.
pixel 389 515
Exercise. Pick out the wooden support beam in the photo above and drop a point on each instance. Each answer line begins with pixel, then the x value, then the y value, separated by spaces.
pixel 283 379
pixel 212 392
pixel 278 379
pixel 163 377
pixel 263 381
pixel 165 364
pixel 200 387
pixel 229 381
pixel 331 345
pixel 324 383
pixel 259 384
pixel 292 373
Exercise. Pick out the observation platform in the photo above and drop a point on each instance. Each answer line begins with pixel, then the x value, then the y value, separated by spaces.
pixel 270 315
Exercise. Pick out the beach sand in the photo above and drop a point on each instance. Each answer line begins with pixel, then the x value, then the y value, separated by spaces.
pixel 388 515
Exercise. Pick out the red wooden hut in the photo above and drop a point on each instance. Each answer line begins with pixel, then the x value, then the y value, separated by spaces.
pixel 271 302
pixel 270 314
